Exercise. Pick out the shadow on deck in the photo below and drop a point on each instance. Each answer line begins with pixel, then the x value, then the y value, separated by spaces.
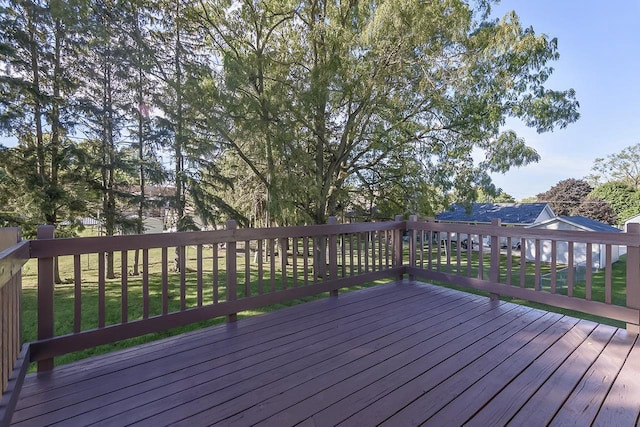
pixel 396 354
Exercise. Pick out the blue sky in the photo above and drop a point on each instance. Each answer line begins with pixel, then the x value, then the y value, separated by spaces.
pixel 599 47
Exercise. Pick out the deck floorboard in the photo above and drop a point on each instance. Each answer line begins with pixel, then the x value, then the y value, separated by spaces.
pixel 396 354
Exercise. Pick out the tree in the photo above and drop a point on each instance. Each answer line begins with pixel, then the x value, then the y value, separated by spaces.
pixel 566 196
pixel 499 197
pixel 40 40
pixel 336 95
pixel 622 167
pixel 624 200
pixel 597 209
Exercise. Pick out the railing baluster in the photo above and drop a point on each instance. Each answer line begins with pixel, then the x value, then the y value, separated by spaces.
pixel 509 266
pixel 372 254
pixel 570 269
pixel 523 263
pixel 351 257
pixel 366 252
pixel 182 263
pixel 359 249
pixel 294 261
pixel 552 275
pixel 608 275
pixel 343 255
pixel 216 275
pixel 145 283
pixel 283 262
pixel 272 261
pixel 260 266
pixel 305 259
pixel 232 292
pixel 247 268
pixel 199 274
pixel 470 255
pixel 480 257
pixel 165 280
pixel 536 278
pixel 124 267
pixel 77 294
pixel 101 289
pixel 589 272
pixel 380 253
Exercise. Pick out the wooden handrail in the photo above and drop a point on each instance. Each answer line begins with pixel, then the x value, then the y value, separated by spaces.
pixel 319 244
pixel 13 254
pixel 354 254
pixel 538 248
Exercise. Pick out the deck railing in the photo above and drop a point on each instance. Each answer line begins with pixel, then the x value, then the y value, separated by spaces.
pixel 193 276
pixel 232 271
pixel 13 360
pixel 511 261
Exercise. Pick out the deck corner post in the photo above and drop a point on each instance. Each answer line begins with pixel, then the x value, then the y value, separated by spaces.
pixel 231 266
pixel 397 244
pixel 494 271
pixel 333 254
pixel 413 241
pixel 45 295
pixel 633 276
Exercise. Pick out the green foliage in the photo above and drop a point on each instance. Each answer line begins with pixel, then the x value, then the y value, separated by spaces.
pixel 566 196
pixel 343 97
pixel 575 197
pixel 597 209
pixel 624 199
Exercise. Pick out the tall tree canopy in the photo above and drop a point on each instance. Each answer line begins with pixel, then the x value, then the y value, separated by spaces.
pixel 319 97
pixel 288 111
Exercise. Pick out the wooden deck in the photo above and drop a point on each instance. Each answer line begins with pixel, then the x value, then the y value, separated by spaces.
pixel 397 354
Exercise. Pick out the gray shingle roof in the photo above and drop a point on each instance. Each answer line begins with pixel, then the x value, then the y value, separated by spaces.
pixel 591 224
pixel 508 213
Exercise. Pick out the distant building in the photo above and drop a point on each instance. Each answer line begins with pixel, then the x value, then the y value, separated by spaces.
pixel 573 223
pixel 516 214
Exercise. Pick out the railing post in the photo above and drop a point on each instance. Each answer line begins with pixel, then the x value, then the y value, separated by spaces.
pixel 397 246
pixel 232 276
pixel 333 254
pixel 45 296
pixel 633 276
pixel 10 311
pixel 494 271
pixel 413 241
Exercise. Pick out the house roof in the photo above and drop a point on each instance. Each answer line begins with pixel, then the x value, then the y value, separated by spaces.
pixel 508 213
pixel 582 222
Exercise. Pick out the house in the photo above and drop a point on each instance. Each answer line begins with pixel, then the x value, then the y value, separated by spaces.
pixel 510 214
pixel 515 214
pixel 633 219
pixel 573 223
